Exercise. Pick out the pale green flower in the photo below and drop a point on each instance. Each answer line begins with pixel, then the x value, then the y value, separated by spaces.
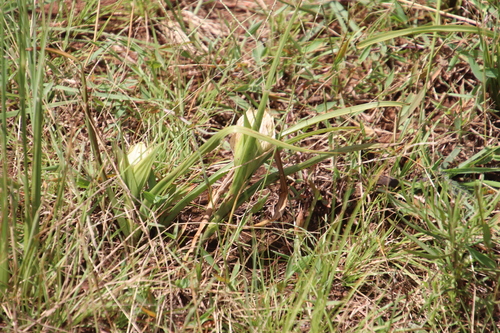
pixel 136 153
pixel 267 128
pixel 136 167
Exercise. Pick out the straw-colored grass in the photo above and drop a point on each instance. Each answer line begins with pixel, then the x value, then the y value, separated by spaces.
pixel 122 209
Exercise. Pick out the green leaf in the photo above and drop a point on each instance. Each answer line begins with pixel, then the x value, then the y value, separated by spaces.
pixel 136 167
pixel 482 258
pixel 143 169
pixel 337 113
pixel 126 172
pixel 482 157
pixel 458 171
pixel 424 30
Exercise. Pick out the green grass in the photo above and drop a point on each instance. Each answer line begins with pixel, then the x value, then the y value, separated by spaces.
pixel 91 241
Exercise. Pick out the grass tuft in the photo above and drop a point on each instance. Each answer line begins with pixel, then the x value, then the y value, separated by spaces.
pixel 123 208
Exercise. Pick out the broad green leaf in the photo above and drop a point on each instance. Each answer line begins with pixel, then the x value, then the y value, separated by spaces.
pixel 482 258
pixel 136 167
pixel 143 167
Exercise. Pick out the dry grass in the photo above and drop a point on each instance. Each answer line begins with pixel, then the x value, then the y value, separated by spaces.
pixel 402 238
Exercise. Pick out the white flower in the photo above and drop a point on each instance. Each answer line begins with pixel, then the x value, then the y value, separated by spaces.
pixel 136 153
pixel 136 167
pixel 267 128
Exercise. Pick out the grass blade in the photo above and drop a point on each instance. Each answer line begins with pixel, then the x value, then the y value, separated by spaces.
pixel 424 30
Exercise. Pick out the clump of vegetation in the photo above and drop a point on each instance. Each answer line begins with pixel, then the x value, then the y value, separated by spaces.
pixel 361 192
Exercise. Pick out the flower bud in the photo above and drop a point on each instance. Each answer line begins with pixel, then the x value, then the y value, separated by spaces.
pixel 136 167
pixel 137 153
pixel 267 128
